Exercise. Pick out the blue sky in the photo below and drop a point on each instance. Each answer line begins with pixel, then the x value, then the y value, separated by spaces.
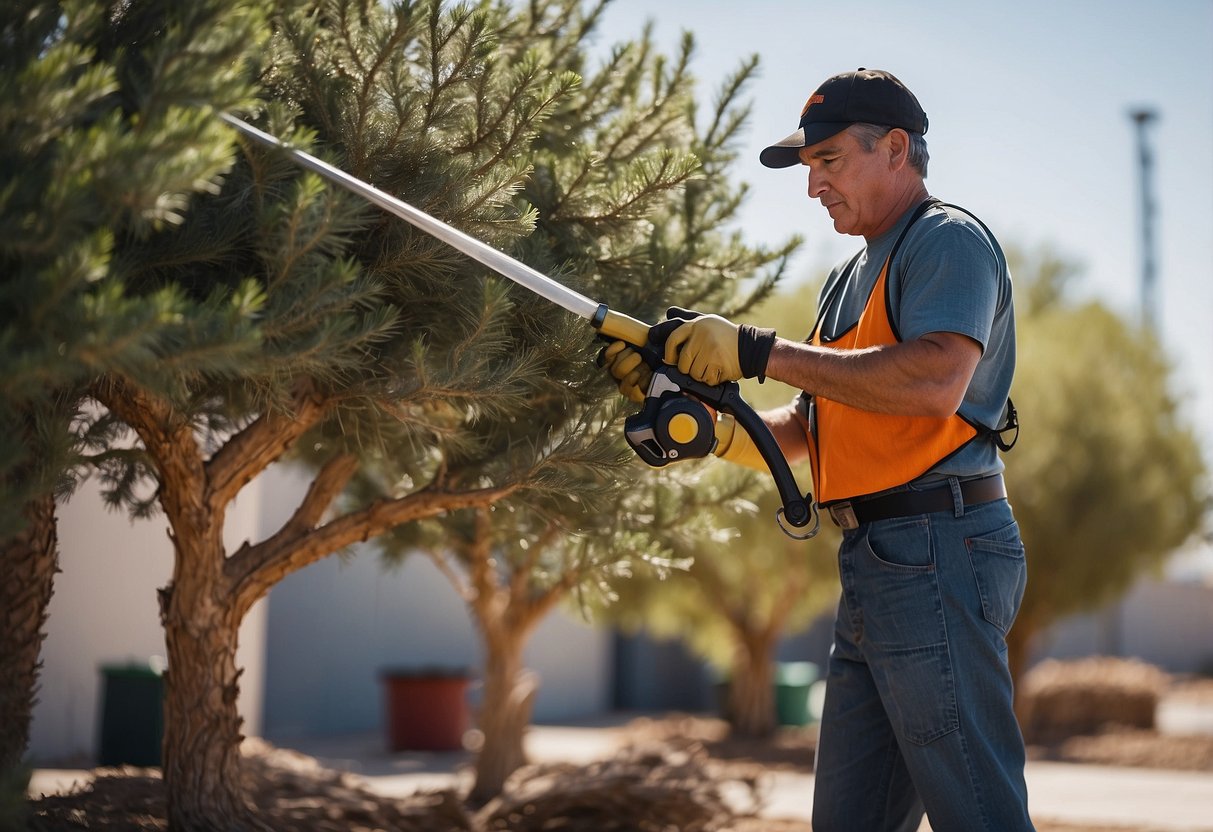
pixel 1029 128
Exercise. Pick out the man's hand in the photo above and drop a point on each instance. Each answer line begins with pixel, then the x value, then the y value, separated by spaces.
pixel 705 349
pixel 713 350
pixel 628 369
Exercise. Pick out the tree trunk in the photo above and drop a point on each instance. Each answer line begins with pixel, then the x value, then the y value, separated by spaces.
pixel 202 763
pixel 751 708
pixel 30 560
pixel 509 694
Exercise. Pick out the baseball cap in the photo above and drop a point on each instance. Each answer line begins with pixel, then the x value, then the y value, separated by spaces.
pixel 870 96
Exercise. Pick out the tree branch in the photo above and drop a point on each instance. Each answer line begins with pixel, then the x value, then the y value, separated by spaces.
pixel 539 607
pixel 150 416
pixel 169 441
pixel 328 483
pixel 520 580
pixel 782 606
pixel 528 608
pixel 484 583
pixel 292 548
pixel 261 443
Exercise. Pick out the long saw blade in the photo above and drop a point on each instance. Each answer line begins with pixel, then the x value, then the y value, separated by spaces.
pixel 609 323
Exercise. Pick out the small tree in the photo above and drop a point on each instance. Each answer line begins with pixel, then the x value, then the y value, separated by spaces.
pixel 371 338
pixel 748 584
pixel 1106 480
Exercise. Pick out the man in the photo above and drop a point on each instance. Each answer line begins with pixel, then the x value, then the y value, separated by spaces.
pixel 905 379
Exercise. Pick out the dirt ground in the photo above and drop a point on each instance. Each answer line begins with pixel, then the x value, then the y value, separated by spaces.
pixel 644 793
pixel 673 775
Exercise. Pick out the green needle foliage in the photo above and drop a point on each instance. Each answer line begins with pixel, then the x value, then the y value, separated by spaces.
pixel 102 143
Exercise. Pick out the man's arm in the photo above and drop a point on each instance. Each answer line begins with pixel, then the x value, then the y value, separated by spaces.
pixel 788 430
pixel 924 377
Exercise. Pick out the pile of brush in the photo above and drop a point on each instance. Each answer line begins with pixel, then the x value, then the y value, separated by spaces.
pixel 642 789
pixel 1063 699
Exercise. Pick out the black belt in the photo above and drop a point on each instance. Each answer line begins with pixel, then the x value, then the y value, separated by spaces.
pixel 851 514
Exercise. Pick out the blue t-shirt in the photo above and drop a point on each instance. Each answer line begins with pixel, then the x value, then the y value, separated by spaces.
pixel 949 275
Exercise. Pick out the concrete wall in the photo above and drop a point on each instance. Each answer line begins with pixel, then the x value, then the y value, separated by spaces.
pixel 1166 623
pixel 105 610
pixel 334 626
pixel 311 652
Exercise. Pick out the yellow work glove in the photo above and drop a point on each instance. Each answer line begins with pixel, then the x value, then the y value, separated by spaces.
pixel 713 350
pixel 628 369
pixel 705 349
pixel 735 445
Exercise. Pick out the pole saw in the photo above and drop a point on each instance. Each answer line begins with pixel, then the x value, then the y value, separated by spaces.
pixel 669 427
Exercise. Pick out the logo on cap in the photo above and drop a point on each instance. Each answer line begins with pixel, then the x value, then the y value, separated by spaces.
pixel 813 99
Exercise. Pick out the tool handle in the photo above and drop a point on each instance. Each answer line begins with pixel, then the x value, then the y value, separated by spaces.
pixel 649 341
pixel 616 326
pixel 797 508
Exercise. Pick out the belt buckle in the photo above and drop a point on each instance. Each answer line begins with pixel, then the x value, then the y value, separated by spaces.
pixel 843 515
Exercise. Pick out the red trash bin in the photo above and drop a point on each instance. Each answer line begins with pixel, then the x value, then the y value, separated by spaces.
pixel 427 710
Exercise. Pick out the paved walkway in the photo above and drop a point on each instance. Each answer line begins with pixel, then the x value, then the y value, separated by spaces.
pixel 1134 798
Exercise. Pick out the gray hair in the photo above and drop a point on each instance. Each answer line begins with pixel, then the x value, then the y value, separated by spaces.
pixel 868 134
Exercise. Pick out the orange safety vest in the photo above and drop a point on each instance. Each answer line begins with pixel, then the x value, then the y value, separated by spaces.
pixel 855 452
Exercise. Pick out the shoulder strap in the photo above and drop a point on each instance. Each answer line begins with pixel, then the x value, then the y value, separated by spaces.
pixel 924 206
pixel 1011 422
pixel 828 295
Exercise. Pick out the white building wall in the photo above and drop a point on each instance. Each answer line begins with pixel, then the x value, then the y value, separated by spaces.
pixel 105 610
pixel 1170 623
pixel 311 653
pixel 333 627
pixel 1163 622
pixel 574 662
pixel 336 625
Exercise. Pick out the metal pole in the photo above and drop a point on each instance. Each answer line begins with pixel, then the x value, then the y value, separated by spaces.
pixel 1149 279
pixel 1112 635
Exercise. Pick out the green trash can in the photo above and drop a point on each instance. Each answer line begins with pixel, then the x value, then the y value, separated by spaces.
pixel 132 715
pixel 793 680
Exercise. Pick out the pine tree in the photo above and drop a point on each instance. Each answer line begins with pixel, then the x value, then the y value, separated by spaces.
pixel 98 144
pixel 632 205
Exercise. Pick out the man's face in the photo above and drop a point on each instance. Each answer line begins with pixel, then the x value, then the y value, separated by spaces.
pixel 852 184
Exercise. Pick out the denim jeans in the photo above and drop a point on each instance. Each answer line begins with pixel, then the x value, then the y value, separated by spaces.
pixel 918 710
